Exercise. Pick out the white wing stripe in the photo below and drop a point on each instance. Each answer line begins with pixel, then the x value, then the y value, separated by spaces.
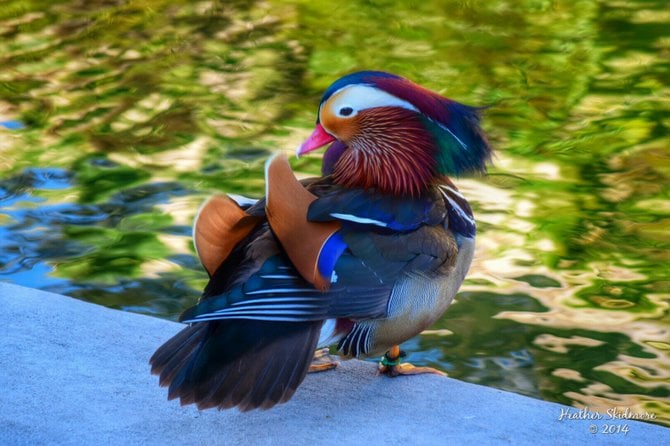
pixel 278 276
pixel 277 300
pixel 356 219
pixel 452 190
pixel 254 317
pixel 280 290
pixel 458 209
pixel 231 310
pixel 279 314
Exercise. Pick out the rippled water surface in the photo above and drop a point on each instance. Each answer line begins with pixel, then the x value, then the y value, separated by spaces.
pixel 118 118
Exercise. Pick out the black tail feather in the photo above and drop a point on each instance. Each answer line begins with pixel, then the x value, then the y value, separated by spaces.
pixel 172 356
pixel 245 363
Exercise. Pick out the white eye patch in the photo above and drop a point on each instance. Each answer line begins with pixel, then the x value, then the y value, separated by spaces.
pixel 350 100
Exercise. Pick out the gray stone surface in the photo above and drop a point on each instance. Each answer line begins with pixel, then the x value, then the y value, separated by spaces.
pixel 76 373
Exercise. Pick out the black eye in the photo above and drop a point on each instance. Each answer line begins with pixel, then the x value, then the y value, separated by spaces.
pixel 346 111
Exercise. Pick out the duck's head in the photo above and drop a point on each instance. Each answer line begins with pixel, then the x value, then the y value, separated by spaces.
pixel 394 136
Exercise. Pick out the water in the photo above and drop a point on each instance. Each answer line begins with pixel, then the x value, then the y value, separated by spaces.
pixel 118 119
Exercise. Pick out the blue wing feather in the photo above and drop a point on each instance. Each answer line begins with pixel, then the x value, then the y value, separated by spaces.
pixel 374 210
pixel 277 292
pixel 330 253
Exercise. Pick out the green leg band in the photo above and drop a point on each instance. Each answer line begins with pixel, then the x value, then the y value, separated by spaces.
pixel 391 362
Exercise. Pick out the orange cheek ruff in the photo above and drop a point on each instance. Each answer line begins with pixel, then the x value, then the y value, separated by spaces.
pixel 343 129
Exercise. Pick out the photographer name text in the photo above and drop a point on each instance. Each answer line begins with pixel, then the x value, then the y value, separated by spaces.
pixel 613 413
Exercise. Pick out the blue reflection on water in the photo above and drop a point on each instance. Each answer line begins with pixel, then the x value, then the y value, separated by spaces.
pixel 12 125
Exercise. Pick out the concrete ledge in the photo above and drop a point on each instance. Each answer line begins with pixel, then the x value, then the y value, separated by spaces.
pixel 76 373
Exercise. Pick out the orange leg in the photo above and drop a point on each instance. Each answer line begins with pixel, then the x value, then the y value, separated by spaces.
pixel 322 361
pixel 390 365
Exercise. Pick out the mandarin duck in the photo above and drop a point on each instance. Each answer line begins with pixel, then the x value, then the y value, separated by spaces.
pixel 364 257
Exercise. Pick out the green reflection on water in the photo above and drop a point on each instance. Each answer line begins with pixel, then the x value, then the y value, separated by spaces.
pixel 134 112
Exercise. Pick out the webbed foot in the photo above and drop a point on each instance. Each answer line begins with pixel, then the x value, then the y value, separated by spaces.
pixel 390 365
pixel 322 361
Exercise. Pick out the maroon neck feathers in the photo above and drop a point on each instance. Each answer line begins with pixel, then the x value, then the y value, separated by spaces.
pixel 392 153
